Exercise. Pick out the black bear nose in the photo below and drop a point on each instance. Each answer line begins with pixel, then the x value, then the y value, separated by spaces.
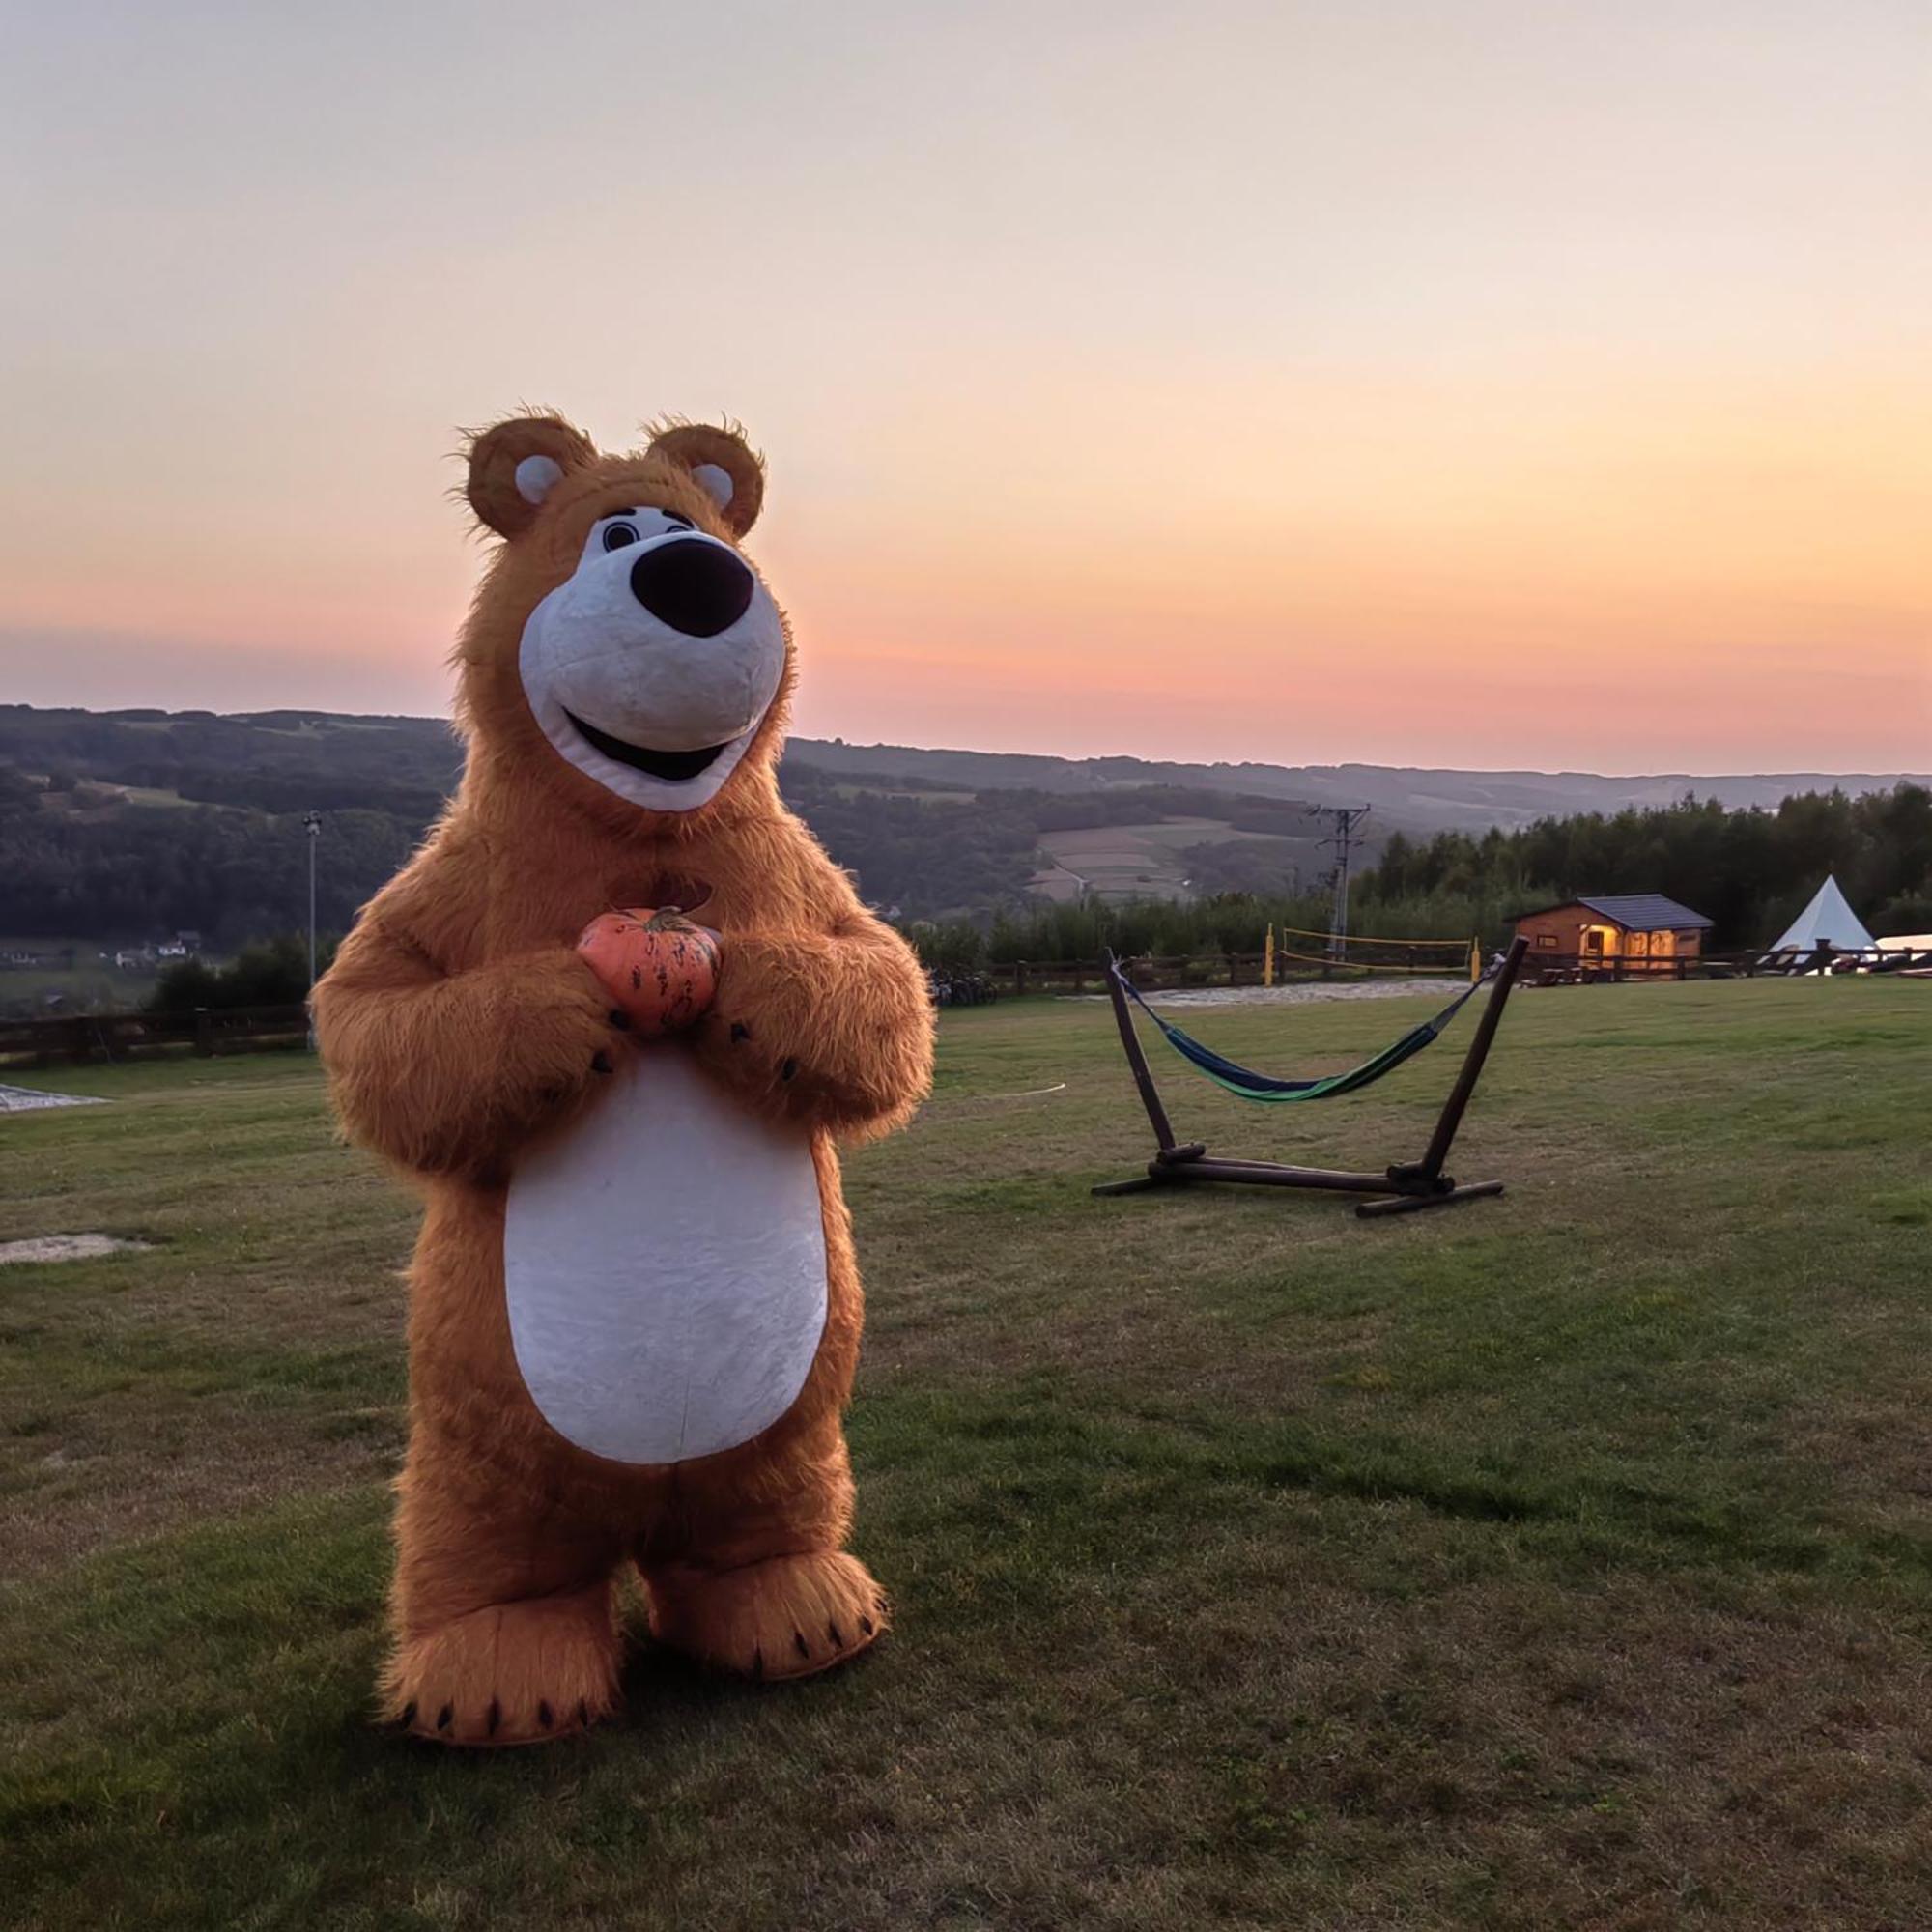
pixel 693 586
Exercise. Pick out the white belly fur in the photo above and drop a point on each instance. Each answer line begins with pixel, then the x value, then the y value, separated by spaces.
pixel 665 1264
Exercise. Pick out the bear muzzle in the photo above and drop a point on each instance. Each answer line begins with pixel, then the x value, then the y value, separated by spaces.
pixel 651 668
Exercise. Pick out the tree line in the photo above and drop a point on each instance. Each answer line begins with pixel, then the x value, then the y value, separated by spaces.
pixel 1751 872
pixel 81 858
pixel 88 865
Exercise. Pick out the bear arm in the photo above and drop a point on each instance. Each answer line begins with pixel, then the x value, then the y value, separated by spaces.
pixel 449 1072
pixel 830 1028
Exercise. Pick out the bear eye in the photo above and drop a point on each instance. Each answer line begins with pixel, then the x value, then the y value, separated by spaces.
pixel 618 535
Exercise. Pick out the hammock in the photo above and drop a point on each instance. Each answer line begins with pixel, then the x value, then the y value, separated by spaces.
pixel 1246 1085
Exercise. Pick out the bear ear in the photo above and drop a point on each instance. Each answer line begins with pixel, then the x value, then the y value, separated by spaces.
pixel 728 470
pixel 516 465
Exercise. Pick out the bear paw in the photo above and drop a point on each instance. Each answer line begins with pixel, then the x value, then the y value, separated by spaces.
pixel 518 1673
pixel 788 1616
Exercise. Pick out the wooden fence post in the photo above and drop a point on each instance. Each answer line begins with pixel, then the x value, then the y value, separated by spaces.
pixel 204 1034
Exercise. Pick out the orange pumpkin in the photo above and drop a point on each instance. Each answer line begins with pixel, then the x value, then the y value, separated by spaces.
pixel 660 968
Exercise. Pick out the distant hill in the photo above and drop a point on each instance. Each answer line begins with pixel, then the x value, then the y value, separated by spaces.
pixel 129 825
pixel 334 757
pixel 1409 798
pixel 272 760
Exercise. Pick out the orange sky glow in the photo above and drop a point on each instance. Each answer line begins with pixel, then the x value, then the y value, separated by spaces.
pixel 1524 383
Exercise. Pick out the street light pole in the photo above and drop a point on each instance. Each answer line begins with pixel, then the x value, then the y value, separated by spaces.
pixel 312 824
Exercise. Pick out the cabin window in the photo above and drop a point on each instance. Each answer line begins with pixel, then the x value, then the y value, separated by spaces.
pixel 1547 939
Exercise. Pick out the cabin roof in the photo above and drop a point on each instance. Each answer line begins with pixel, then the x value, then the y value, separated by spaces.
pixel 1635 912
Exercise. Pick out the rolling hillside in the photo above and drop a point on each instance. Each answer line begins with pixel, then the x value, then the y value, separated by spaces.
pixel 121 826
pixel 1409 798
pixel 301 759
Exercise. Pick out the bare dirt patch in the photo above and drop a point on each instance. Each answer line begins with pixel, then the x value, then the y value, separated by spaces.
pixel 69 1248
pixel 30 1100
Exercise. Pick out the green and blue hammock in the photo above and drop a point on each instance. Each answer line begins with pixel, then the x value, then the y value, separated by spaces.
pixel 1247 1085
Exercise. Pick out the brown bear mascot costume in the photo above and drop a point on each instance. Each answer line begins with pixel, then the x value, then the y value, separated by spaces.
pixel 635 1310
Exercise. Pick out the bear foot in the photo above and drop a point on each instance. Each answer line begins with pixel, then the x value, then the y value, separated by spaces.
pixel 788 1616
pixel 518 1673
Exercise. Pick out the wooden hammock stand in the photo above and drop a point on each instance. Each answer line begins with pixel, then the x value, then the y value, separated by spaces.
pixel 1405 1187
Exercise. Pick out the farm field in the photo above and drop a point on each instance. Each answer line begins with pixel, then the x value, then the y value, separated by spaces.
pixel 1564 1560
pixel 91 985
pixel 1129 860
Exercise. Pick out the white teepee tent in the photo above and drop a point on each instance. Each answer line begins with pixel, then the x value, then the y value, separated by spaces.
pixel 1827 920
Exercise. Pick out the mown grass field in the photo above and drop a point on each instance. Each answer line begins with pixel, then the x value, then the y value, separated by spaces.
pixel 1553 1562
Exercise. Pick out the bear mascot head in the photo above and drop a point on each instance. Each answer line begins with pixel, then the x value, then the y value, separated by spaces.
pixel 634 1309
pixel 619 625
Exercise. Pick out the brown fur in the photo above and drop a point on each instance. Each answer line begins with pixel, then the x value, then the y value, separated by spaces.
pixel 458 1022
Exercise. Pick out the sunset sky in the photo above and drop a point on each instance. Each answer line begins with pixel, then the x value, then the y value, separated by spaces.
pixel 1481 383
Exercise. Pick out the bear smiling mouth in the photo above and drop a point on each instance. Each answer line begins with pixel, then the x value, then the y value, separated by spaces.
pixel 670 765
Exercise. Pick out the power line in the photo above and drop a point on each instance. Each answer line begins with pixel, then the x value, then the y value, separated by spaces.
pixel 1343 841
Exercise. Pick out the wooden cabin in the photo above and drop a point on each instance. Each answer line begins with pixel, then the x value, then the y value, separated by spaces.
pixel 1633 933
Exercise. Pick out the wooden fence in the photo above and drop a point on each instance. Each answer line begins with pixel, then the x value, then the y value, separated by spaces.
pixel 79 1037
pixel 1542 968
pixel 1203 969
pixel 1538 968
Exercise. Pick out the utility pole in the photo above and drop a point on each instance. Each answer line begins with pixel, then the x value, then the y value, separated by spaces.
pixel 312 824
pixel 1344 840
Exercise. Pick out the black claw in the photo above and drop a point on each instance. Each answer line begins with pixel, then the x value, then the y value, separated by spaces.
pixel 495 1716
pixel 789 1069
pixel 739 1030
pixel 799 1643
pixel 837 1640
pixel 444 1715
pixel 600 1061
pixel 409 1715
pixel 866 1625
pixel 543 1717
pixel 620 1019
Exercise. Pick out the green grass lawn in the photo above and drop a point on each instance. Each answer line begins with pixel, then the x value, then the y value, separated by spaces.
pixel 1562 1561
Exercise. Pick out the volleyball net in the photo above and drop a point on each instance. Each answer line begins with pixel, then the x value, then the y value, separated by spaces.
pixel 1371 953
